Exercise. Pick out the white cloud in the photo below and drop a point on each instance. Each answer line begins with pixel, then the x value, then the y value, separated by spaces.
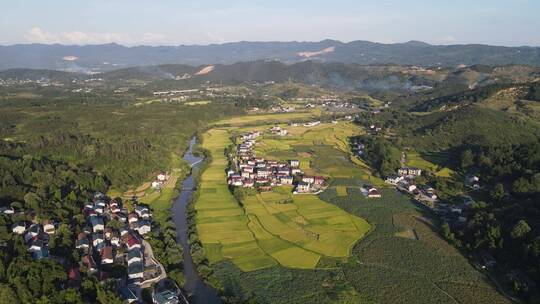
pixel 38 35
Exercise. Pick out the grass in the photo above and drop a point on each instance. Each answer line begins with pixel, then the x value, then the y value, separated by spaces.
pixel 415 159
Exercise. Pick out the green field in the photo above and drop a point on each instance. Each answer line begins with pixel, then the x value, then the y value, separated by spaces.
pixel 414 159
pixel 266 231
pixel 266 118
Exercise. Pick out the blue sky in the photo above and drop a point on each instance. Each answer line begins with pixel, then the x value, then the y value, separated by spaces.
pixel 173 22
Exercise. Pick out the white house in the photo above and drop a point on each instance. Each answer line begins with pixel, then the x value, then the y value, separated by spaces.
pixel 144 227
pixel 286 180
pixel 19 228
pixel 303 187
pixel 394 179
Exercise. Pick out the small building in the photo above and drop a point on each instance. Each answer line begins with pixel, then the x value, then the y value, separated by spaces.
pixel 318 180
pixel 294 163
pixel 19 228
pixel 144 227
pixel 132 242
pixel 410 188
pixel 97 223
pixel 97 238
pixel 286 180
pixel 373 193
pixel 134 255
pixel 308 179
pixel 249 183
pixel 296 171
pixel 107 255
pixel 303 187
pixel 408 171
pixel 133 217
pixel 82 241
pixel 41 253
pixel 394 179
pixel 136 270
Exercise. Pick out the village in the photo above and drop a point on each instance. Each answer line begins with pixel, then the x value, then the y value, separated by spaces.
pixel 111 242
pixel 249 171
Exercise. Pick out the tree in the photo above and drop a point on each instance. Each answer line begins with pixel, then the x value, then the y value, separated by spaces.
pixel 520 230
pixel 521 186
pixel 497 193
pixel 8 295
pixel 467 159
pixel 106 293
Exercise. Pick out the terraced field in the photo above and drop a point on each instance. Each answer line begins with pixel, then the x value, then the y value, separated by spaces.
pixel 265 231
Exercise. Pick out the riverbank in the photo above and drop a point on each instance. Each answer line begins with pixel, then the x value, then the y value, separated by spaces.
pixel 198 290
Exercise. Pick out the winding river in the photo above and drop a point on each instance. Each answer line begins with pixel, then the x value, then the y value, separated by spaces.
pixel 201 292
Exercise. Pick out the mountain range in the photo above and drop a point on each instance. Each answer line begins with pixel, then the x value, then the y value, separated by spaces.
pixel 107 57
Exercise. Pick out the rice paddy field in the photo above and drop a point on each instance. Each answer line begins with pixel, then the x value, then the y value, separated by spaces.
pixel 334 247
pixel 264 231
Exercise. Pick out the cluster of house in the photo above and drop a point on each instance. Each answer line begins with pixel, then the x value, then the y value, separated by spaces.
pixel 357 146
pixel 183 95
pixel 107 245
pixel 282 109
pixel 312 123
pixel 404 181
pixel 256 172
pixel 36 237
pixel 160 180
pixel 277 130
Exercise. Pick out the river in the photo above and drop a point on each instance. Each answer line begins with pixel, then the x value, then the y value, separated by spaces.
pixel 202 293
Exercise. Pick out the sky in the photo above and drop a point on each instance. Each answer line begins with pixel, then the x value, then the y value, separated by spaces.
pixel 176 22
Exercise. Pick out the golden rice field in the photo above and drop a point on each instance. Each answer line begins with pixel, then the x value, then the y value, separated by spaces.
pixel 266 231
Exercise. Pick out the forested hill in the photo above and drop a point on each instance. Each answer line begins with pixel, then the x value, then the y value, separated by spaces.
pixel 114 56
pixel 403 78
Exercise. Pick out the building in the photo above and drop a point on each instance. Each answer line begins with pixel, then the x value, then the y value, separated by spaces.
pixel 394 179
pixel 107 255
pixel 294 163
pixel 374 193
pixel 82 241
pixel 303 187
pixel 144 227
pixel 318 180
pixel 19 228
pixel 134 255
pixel 136 270
pixel 407 171
pixel 97 223
pixel 286 180
pixel 308 179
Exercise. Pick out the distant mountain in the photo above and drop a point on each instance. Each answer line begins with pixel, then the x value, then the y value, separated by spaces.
pixel 92 58
pixel 349 76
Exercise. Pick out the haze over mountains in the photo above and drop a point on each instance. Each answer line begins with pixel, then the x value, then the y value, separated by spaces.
pixel 106 57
